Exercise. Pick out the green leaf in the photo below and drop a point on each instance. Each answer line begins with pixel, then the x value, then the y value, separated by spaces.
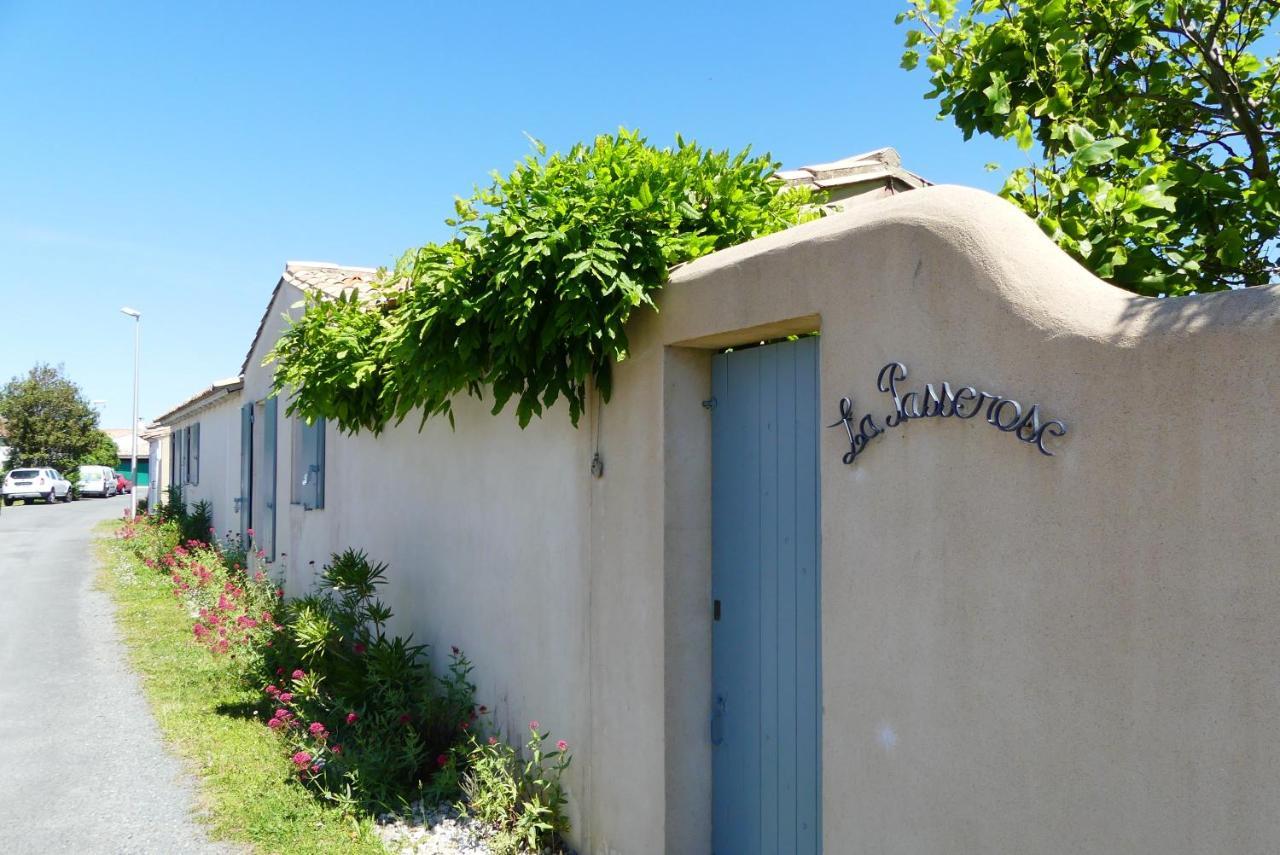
pixel 997 94
pixel 1098 151
pixel 1153 196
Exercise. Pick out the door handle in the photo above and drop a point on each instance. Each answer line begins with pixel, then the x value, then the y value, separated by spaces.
pixel 717 721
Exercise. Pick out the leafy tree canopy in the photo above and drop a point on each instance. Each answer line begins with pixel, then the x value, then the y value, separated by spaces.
pixel 531 297
pixel 47 420
pixel 102 452
pixel 1157 125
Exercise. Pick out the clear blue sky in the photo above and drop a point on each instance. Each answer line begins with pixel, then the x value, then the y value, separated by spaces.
pixel 173 156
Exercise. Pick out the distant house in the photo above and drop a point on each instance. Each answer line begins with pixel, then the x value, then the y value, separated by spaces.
pixel 123 438
pixel 860 178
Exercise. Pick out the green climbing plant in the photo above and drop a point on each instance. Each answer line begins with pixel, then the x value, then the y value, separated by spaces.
pixel 530 299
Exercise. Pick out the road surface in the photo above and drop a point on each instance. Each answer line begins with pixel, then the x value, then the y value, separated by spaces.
pixel 82 767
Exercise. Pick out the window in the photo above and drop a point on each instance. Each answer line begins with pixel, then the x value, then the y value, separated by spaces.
pixel 308 464
pixel 186 460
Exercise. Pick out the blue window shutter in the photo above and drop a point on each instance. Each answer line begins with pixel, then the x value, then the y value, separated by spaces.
pixel 319 463
pixel 195 454
pixel 269 465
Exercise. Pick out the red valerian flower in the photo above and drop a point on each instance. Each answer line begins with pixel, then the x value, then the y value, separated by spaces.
pixel 442 759
pixel 352 718
pixel 317 730
pixel 359 649
pixel 562 745
pixel 533 725
pixel 299 674
pixel 482 710
pixel 336 748
pixel 271 690
pixel 286 697
pixel 464 725
pixel 301 759
pixel 493 740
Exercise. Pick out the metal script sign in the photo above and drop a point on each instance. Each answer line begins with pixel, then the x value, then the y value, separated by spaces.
pixel 965 402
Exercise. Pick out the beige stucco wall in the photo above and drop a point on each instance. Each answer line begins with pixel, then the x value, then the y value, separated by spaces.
pixel 1020 653
pixel 484 529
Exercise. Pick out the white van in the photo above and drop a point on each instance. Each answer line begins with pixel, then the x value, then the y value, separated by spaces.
pixel 97 481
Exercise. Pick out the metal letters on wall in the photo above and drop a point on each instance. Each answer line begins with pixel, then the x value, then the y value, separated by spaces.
pixel 966 402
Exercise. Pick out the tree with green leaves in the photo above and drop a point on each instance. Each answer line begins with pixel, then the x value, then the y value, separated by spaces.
pixel 530 300
pixel 1154 127
pixel 102 452
pixel 48 422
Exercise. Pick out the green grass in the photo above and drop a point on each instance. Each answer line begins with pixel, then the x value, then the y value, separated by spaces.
pixel 207 717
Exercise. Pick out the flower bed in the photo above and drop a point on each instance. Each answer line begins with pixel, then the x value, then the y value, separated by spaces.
pixel 365 721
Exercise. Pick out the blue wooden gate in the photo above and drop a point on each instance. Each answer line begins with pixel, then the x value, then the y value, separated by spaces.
pixel 766 697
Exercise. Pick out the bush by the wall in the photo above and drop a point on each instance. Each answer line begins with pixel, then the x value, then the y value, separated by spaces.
pixel 362 715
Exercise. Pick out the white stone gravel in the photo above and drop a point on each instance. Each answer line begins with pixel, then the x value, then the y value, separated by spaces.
pixel 437 830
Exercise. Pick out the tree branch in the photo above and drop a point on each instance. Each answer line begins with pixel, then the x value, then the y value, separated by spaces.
pixel 1228 89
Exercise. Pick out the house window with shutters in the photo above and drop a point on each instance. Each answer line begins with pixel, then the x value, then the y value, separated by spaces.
pixel 308 464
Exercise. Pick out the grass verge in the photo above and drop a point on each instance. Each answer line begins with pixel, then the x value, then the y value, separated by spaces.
pixel 208 717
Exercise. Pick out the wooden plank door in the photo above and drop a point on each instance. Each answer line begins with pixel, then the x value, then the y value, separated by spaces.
pixel 766 701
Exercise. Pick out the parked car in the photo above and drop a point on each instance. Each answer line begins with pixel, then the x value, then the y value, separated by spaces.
pixel 39 483
pixel 123 484
pixel 97 481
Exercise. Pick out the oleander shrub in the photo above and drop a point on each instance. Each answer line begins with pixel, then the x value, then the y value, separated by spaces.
pixel 362 711
pixel 366 721
pixel 196 523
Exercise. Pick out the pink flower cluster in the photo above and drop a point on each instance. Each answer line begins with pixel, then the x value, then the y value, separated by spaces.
pixel 232 612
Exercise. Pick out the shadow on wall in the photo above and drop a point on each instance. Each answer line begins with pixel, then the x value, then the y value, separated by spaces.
pixel 1228 310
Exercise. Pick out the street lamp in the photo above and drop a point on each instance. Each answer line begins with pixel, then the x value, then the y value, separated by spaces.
pixel 137 327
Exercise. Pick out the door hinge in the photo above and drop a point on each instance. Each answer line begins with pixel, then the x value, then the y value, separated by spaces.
pixel 709 404
pixel 716 611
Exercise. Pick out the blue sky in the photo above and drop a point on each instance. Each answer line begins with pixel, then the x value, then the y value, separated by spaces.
pixel 173 156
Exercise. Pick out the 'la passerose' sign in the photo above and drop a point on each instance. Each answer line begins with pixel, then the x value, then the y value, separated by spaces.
pixel 966 402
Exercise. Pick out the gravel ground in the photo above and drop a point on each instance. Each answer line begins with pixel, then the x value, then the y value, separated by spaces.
pixel 432 831
pixel 84 769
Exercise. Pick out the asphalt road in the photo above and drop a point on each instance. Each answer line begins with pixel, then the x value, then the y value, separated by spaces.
pixel 82 767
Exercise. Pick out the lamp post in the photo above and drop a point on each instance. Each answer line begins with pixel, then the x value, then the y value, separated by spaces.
pixel 133 469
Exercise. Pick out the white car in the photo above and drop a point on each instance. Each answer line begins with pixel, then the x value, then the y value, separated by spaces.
pixel 97 481
pixel 41 483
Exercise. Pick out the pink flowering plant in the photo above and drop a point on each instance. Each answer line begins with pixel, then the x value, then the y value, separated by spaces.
pixel 519 794
pixel 233 610
pixel 148 538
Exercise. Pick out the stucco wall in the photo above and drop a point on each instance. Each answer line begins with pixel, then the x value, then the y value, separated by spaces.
pixel 1020 653
pixel 219 460
pixel 484 529
pixel 1023 653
